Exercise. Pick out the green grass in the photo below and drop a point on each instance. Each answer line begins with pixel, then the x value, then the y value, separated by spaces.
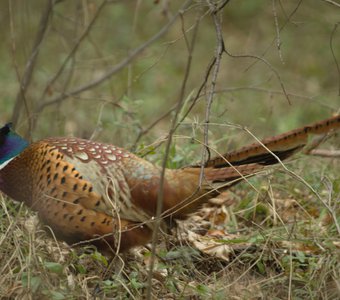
pixel 284 239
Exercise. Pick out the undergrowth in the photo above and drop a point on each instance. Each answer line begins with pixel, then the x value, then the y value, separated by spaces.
pixel 290 249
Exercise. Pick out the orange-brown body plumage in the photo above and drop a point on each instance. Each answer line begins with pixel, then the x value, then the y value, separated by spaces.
pixel 89 191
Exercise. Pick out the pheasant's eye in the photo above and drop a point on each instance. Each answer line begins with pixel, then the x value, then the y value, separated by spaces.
pixel 4 132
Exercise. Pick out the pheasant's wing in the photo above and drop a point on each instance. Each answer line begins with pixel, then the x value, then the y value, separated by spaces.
pixel 70 200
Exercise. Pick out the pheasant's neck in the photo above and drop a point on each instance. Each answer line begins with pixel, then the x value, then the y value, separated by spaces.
pixel 4 164
pixel 2 180
pixel 15 180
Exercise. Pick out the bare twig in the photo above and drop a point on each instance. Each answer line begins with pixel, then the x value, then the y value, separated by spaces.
pixel 275 38
pixel 291 268
pixel 333 54
pixel 325 153
pixel 223 4
pixel 316 142
pixel 278 38
pixel 333 3
pixel 269 66
pixel 276 92
pixel 332 209
pixel 210 95
pixel 153 124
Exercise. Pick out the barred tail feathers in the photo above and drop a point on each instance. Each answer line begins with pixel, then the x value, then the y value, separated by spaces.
pixel 283 146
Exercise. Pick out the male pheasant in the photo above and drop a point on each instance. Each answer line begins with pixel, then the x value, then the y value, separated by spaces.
pixel 95 192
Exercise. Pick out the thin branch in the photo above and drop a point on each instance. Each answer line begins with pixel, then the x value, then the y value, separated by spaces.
pixel 316 142
pixel 224 3
pixel 268 65
pixel 277 28
pixel 165 160
pixel 199 92
pixel 333 54
pixel 210 95
pixel 333 3
pixel 275 92
pixel 153 124
pixel 325 153
pixel 332 209
pixel 275 38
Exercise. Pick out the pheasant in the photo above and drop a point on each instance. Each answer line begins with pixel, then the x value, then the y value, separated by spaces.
pixel 98 193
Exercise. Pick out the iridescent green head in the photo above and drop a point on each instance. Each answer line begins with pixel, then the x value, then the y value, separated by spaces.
pixel 11 144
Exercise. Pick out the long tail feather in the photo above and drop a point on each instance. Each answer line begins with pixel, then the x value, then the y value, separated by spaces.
pixel 283 146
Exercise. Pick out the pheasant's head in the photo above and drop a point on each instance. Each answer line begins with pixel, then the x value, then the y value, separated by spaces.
pixel 11 144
